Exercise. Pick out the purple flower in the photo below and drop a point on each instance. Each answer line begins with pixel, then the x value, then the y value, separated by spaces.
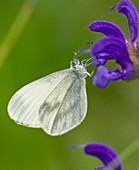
pixel 116 47
pixel 105 154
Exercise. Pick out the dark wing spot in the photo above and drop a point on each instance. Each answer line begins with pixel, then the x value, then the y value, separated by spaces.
pixel 46 109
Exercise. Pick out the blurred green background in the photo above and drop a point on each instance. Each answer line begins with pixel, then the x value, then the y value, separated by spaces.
pixel 54 30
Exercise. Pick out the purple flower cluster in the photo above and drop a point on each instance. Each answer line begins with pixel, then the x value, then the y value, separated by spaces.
pixel 115 47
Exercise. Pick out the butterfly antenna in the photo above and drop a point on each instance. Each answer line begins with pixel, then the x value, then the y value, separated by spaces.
pixel 83 50
pixel 112 8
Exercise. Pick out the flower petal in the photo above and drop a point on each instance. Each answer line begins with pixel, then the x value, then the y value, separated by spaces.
pixel 98 61
pixel 100 168
pixel 111 48
pixel 103 76
pixel 100 79
pixel 105 154
pixel 107 28
pixel 129 10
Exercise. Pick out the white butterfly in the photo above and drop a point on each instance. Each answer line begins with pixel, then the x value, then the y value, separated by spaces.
pixel 56 103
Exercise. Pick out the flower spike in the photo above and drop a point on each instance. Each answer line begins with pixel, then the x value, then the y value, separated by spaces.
pixel 115 47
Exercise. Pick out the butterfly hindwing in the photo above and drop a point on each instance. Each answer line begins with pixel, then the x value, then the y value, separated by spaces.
pixel 65 107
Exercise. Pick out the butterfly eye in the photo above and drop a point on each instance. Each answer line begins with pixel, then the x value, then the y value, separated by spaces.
pixel 74 63
pixel 77 62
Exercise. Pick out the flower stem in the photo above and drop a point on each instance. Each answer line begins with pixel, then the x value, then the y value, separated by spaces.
pixel 133 147
pixel 16 29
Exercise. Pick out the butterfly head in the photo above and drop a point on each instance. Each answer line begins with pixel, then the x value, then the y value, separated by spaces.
pixel 79 68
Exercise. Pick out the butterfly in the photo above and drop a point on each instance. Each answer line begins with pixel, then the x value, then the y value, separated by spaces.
pixel 56 103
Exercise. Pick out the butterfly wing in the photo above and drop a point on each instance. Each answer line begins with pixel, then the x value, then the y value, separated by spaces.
pixel 65 107
pixel 24 106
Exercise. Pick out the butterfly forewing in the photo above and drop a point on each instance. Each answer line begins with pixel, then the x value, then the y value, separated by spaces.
pixel 65 107
pixel 25 104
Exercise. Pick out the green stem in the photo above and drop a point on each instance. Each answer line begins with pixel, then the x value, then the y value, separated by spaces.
pixel 16 29
pixel 133 147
